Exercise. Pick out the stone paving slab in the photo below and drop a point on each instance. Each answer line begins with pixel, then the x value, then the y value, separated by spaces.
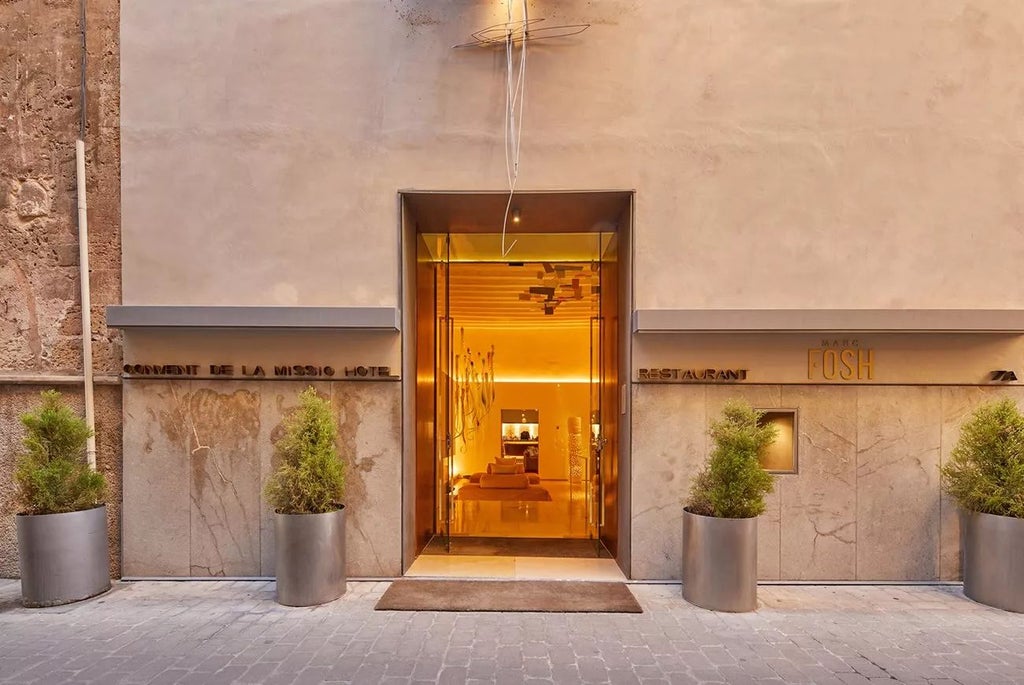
pixel 232 632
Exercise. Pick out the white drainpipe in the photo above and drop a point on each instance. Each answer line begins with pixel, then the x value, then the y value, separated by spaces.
pixel 83 272
pixel 83 255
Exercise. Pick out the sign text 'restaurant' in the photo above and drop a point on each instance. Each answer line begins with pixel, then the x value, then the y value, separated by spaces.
pixel 691 375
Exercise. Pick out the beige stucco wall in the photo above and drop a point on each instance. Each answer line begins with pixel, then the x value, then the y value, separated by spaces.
pixel 858 153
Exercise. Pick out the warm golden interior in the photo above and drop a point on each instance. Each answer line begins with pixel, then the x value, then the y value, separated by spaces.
pixel 518 383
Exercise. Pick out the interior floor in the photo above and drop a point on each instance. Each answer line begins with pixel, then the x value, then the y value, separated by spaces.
pixel 565 516
pixel 517 547
pixel 512 567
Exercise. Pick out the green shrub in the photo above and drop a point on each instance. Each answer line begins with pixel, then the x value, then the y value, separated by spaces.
pixel 732 483
pixel 311 478
pixel 52 474
pixel 985 472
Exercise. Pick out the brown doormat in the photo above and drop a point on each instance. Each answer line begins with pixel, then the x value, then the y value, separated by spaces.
pixel 558 596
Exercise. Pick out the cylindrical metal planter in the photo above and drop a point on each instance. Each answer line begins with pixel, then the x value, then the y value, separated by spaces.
pixel 720 562
pixel 63 557
pixel 993 549
pixel 310 558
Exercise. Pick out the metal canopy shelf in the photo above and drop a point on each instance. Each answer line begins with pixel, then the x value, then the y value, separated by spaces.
pixel 829 320
pixel 258 317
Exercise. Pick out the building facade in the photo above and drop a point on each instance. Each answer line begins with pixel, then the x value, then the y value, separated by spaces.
pixel 816 207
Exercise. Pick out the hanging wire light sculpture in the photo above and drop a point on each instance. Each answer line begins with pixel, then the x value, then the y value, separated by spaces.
pixel 510 34
pixel 519 32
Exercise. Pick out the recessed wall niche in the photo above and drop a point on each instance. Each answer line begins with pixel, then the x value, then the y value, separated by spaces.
pixel 781 455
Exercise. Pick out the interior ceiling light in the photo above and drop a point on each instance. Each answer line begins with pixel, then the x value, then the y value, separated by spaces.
pixel 508 35
pixel 561 283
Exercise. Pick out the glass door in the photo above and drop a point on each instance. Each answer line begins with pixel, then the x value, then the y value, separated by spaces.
pixel 594 484
pixel 611 393
pixel 443 441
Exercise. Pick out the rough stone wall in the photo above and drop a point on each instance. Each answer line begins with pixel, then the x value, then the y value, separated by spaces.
pixel 40 304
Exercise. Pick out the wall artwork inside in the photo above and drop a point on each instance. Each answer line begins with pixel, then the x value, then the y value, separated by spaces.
pixel 473 389
pixel 781 455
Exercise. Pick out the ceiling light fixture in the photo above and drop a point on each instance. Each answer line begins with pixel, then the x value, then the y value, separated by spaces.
pixel 516 216
pixel 560 283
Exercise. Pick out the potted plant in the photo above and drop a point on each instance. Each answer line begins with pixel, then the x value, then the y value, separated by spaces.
pixel 985 475
pixel 720 517
pixel 306 492
pixel 63 551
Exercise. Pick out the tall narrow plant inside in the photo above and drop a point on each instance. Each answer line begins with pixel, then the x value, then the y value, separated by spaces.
pixel 62 521
pixel 307 493
pixel 720 518
pixel 985 475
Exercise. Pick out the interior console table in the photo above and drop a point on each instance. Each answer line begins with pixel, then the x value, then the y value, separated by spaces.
pixel 520 433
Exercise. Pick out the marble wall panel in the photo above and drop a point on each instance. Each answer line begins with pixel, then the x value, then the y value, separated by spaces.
pixel 898 446
pixel 759 396
pixel 668 446
pixel 950 567
pixel 769 539
pixel 197 454
pixel 819 503
pixel 370 437
pixel 226 435
pixel 865 505
pixel 156 509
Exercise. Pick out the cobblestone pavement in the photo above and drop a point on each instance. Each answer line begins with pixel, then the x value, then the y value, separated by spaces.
pixel 234 632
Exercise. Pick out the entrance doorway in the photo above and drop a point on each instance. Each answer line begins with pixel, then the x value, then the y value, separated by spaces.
pixel 517 427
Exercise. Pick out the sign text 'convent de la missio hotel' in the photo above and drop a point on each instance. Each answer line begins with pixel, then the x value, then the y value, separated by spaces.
pixel 358 372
